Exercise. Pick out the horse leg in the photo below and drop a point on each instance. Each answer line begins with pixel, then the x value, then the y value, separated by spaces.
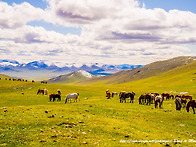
pixel 160 104
pixel 193 110
pixel 156 103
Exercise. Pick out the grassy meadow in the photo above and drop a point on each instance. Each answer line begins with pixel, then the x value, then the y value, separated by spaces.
pixel 31 120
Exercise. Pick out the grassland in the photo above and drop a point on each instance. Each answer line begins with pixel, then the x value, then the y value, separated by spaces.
pixel 31 120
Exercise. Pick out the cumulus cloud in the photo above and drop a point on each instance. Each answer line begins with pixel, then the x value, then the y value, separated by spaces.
pixel 18 15
pixel 113 31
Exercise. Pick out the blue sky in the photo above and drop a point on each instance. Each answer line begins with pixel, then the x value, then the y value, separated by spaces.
pixel 90 31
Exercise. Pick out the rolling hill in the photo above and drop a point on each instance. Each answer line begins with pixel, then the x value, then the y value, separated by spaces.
pixel 150 70
pixel 73 77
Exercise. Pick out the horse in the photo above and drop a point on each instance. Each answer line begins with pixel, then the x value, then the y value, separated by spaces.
pixel 183 100
pixel 114 93
pixel 40 91
pixel 108 94
pixel 159 99
pixel 54 96
pixel 153 95
pixel 125 95
pixel 167 96
pixel 178 102
pixel 187 97
pixel 45 91
pixel 192 104
pixel 72 96
pixel 145 98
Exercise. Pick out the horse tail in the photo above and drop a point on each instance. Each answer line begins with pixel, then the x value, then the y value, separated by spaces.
pixel 38 91
pixel 188 105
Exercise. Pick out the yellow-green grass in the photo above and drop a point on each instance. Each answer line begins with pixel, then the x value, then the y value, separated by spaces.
pixel 31 120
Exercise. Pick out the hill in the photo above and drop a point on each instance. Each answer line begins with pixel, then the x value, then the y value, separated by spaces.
pixel 28 119
pixel 150 70
pixel 73 77
pixel 4 76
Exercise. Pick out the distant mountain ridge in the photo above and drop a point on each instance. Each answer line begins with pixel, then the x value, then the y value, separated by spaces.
pixel 40 69
pixel 149 70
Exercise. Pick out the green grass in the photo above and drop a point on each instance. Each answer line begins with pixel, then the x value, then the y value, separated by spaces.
pixel 31 120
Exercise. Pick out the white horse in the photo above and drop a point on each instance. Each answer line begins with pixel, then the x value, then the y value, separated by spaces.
pixel 72 96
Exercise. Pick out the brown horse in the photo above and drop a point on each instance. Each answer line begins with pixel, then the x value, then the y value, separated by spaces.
pixel 167 96
pixel 145 99
pixel 192 104
pixel 40 91
pixel 187 97
pixel 108 94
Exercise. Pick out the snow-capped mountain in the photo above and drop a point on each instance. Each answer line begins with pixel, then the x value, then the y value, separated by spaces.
pixel 72 77
pixel 44 69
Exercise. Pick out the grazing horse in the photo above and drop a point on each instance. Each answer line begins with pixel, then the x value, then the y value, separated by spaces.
pixel 45 91
pixel 192 104
pixel 114 93
pixel 167 96
pixel 54 96
pixel 159 99
pixel 187 97
pixel 145 98
pixel 183 100
pixel 125 95
pixel 72 96
pixel 178 102
pixel 108 94
pixel 40 91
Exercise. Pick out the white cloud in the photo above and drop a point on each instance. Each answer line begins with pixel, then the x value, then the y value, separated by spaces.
pixel 113 31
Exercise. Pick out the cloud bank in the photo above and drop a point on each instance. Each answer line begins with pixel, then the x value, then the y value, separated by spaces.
pixel 112 31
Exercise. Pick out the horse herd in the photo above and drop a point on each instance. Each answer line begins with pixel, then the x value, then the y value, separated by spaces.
pixel 53 96
pixel 156 99
pixel 147 98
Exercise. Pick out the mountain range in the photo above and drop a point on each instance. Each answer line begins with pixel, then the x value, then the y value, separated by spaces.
pixel 150 70
pixel 40 70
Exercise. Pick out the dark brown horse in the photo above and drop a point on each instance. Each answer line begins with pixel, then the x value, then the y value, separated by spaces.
pixel 167 96
pixel 192 104
pixel 126 95
pixel 54 96
pixel 145 99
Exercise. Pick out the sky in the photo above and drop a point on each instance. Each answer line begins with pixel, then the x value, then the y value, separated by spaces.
pixel 97 31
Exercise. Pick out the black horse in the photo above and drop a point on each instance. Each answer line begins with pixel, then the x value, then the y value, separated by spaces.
pixel 54 96
pixel 125 95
